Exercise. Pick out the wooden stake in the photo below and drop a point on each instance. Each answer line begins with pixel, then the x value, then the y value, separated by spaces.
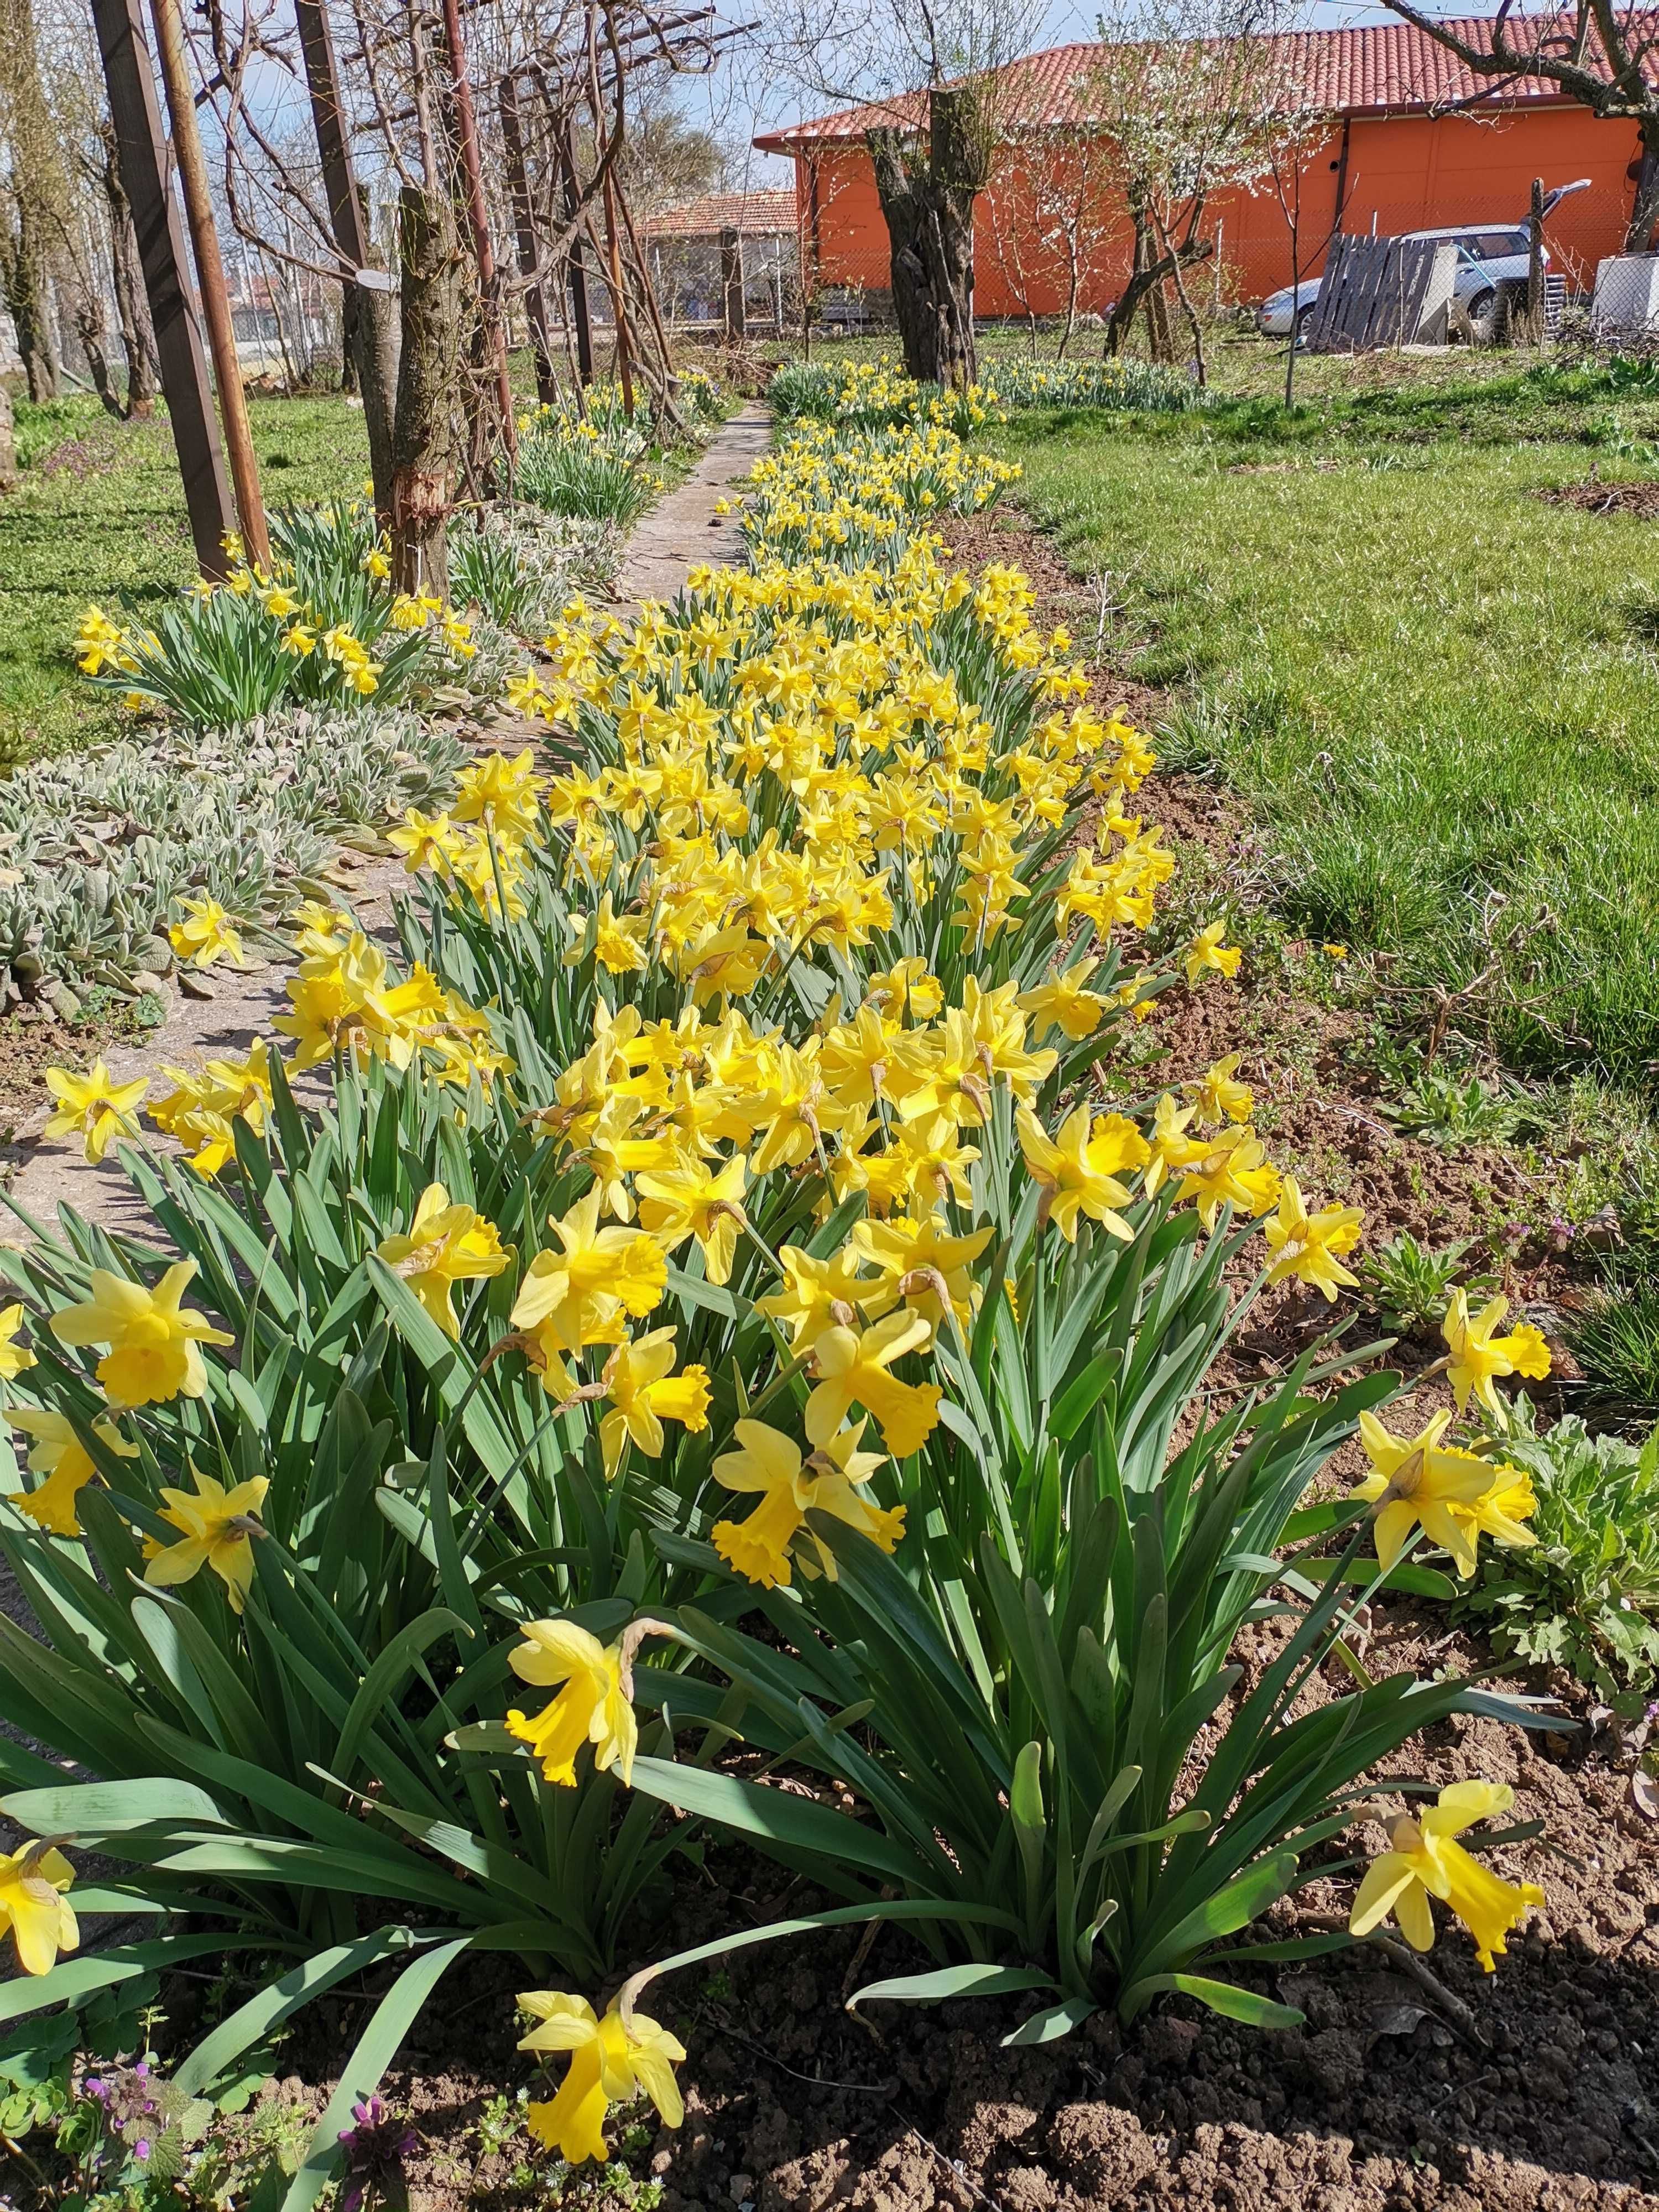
pixel 210 277
pixel 142 160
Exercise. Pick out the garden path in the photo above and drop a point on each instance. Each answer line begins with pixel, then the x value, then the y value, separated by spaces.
pixel 680 530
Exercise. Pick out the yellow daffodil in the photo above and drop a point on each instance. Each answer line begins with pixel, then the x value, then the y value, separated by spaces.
pixel 612 2060
pixel 789 1486
pixel 1479 1353
pixel 1230 1168
pixel 577 1295
pixel 1062 1003
pixel 32 1905
pixel 216 1528
pixel 1078 1170
pixel 1425 1860
pixel 1219 1097
pixel 818 1293
pixel 154 1344
pixel 922 1262
pixel 63 1462
pixel 1308 1246
pixel 444 1245
pixel 691 1201
pixel 13 1356
pixel 93 1107
pixel 205 935
pixel 1208 953
pixel 1452 1495
pixel 644 1395
pixel 853 1367
pixel 593 1705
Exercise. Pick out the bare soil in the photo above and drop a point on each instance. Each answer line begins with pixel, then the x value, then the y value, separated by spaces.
pixel 1597 498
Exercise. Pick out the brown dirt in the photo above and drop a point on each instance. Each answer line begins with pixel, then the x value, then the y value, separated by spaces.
pixel 1381 2103
pixel 33 1039
pixel 1597 498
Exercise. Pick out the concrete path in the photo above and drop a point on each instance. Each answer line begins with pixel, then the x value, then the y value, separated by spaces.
pixel 684 529
pixel 679 532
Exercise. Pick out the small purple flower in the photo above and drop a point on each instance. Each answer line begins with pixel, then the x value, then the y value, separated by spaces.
pixel 375 2147
pixel 142 2070
pixel 141 2149
pixel 96 2087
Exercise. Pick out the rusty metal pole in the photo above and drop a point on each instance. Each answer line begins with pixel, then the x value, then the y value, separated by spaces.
pixel 523 218
pixel 141 152
pixel 211 278
pixel 466 130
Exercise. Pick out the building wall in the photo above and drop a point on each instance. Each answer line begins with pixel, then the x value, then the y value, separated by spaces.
pixel 1406 173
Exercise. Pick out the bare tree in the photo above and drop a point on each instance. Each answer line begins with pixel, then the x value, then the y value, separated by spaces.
pixel 1056 213
pixel 34 196
pixel 1602 52
pixel 1187 94
pixel 931 78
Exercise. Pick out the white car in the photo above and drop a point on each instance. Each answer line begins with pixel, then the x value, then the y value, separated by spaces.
pixel 1490 256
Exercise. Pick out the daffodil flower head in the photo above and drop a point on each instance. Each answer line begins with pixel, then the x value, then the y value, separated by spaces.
pixel 93 1107
pixel 216 1528
pixel 153 1342
pixel 1452 1495
pixel 1206 954
pixel 1308 1246
pixel 444 1245
pixel 1426 1861
pixel 790 1487
pixel 1479 1354
pixel 13 1356
pixel 611 2061
pixel 33 1908
pixel 593 1705
pixel 58 1456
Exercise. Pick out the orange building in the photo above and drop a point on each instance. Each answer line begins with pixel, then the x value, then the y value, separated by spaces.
pixel 1416 141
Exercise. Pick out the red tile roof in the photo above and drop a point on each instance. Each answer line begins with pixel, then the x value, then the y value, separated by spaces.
pixel 1370 68
pixel 752 214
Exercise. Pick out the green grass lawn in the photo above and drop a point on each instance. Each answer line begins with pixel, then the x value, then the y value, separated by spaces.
pixel 99 516
pixel 1442 692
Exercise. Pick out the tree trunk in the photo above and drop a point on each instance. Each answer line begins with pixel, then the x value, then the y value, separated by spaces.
pixel 375 339
pixel 88 312
pixel 24 273
pixel 131 308
pixel 8 450
pixel 348 338
pixel 929 213
pixel 429 373
pixel 1644 210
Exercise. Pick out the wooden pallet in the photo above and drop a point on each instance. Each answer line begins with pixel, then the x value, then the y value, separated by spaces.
pixel 1383 292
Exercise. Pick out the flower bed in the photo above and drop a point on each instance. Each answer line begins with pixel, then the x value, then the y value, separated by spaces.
pixel 713 1335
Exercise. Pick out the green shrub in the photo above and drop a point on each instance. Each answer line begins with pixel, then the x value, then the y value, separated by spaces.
pixel 1586 1596
pixel 1410 1283
pixel 103 843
